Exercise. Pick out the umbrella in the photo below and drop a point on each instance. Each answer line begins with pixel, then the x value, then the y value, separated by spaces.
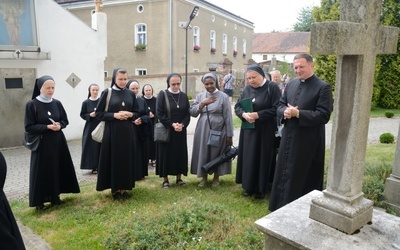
pixel 228 154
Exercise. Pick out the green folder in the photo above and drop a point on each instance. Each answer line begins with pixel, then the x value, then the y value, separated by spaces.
pixel 247 106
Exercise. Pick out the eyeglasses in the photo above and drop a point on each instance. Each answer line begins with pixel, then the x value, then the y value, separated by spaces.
pixel 175 84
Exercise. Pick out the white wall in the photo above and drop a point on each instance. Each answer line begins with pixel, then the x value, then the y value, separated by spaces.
pixel 281 57
pixel 75 48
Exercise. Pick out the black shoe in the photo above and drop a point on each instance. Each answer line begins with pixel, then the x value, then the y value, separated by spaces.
pixel 41 207
pixel 117 196
pixel 259 196
pixel 57 201
pixel 126 195
pixel 247 193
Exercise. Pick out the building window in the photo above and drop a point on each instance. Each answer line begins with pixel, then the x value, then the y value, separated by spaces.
pixel 105 73
pixel 140 34
pixel 140 72
pixel 212 18
pixel 224 44
pixel 235 50
pixel 265 57
pixel 196 70
pixel 244 47
pixel 140 8
pixel 196 36
pixel 212 41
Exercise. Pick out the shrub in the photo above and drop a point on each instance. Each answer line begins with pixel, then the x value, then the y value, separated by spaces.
pixel 387 138
pixel 389 114
pixel 375 176
pixel 189 97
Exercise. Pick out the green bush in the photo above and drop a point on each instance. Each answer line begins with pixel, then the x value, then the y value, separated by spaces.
pixel 375 176
pixel 387 138
pixel 189 96
pixel 389 114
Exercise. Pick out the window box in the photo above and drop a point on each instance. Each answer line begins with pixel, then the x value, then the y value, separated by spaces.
pixel 244 54
pixel 140 47
pixel 235 52
pixel 196 47
pixel 213 50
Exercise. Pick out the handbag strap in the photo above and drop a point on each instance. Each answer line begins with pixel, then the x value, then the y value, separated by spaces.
pixel 108 98
pixel 167 103
pixel 208 118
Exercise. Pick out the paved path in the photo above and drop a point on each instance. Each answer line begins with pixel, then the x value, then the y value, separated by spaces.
pixel 17 182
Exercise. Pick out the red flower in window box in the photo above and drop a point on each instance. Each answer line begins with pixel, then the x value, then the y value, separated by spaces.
pixel 244 54
pixel 235 52
pixel 196 47
pixel 213 50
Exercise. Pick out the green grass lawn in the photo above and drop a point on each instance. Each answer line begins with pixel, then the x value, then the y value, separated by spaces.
pixel 380 112
pixel 187 217
pixel 177 218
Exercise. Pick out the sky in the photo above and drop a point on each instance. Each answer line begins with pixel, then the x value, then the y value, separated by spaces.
pixel 267 15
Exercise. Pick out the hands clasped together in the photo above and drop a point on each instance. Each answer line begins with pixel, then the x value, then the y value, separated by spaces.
pixel 177 126
pixel 250 117
pixel 123 115
pixel 291 111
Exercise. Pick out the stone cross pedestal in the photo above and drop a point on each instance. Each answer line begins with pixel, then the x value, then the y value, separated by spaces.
pixel 356 39
pixel 392 185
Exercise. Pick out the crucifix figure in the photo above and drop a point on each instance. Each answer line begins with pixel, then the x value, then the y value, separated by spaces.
pixel 356 40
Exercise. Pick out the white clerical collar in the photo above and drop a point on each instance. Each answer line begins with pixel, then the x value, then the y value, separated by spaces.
pixel 41 99
pixel 93 99
pixel 215 91
pixel 176 92
pixel 148 98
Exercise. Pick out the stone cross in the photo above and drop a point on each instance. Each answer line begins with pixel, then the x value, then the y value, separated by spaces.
pixel 356 40
pixel 392 185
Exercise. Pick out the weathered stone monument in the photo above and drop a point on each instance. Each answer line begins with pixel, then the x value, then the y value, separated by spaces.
pixel 356 39
pixel 392 185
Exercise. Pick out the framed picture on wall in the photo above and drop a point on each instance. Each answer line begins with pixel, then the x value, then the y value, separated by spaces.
pixel 18 25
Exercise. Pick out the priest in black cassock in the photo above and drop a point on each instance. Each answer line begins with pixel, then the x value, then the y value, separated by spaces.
pixel 51 170
pixel 305 107
pixel 256 141
pixel 90 148
pixel 10 237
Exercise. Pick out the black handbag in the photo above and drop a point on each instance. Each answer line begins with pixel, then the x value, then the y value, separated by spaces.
pixel 31 141
pixel 214 138
pixel 229 154
pixel 161 133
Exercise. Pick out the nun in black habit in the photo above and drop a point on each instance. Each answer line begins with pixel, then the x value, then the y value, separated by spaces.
pixel 256 145
pixel 10 237
pixel 51 169
pixel 142 129
pixel 117 151
pixel 148 97
pixel 90 148
pixel 172 156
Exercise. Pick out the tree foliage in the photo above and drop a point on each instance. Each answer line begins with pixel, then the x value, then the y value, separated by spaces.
pixel 387 77
pixel 387 73
pixel 325 66
pixel 304 20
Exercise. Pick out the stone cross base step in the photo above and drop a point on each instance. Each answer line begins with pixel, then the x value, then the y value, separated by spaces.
pixel 291 228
